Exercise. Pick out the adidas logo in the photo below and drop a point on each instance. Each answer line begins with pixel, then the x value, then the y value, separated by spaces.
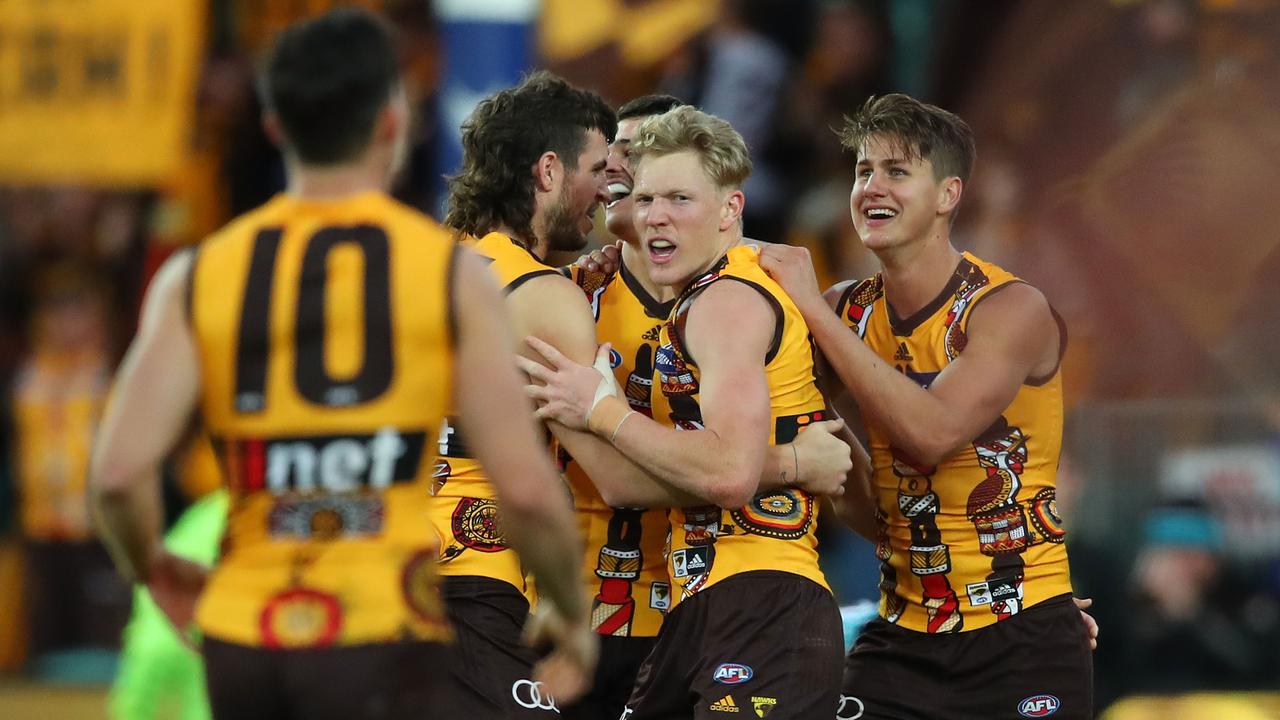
pixel 902 355
pixel 696 562
pixel 726 704
pixel 652 333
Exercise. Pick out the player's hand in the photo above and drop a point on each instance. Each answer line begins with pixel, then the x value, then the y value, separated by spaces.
pixel 1090 624
pixel 566 672
pixel 606 259
pixel 567 392
pixel 175 584
pixel 792 268
pixel 823 459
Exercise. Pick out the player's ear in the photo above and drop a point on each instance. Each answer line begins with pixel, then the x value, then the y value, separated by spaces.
pixel 949 195
pixel 547 171
pixel 393 119
pixel 731 209
pixel 274 130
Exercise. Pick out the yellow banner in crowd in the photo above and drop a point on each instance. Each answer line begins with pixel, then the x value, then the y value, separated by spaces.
pixel 97 91
pixel 646 31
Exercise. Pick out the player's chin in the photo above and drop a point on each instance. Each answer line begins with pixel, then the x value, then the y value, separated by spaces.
pixel 569 242
pixel 617 223
pixel 668 276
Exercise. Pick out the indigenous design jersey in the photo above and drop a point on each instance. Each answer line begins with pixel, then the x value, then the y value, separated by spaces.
pixel 624 566
pixel 464 511
pixel 326 362
pixel 775 531
pixel 977 538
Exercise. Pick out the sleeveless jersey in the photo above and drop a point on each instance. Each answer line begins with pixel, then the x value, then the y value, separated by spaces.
pixel 326 361
pixel 977 538
pixel 775 531
pixel 57 402
pixel 464 510
pixel 624 567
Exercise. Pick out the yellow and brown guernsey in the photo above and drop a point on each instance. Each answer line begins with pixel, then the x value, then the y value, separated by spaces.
pixel 776 530
pixel 326 361
pixel 464 510
pixel 977 538
pixel 624 565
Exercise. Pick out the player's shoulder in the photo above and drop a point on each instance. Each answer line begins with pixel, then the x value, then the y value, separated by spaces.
pixel 860 291
pixel 416 221
pixel 245 227
pixel 835 294
pixel 408 228
pixel 173 272
pixel 1012 299
pixel 548 286
pixel 732 304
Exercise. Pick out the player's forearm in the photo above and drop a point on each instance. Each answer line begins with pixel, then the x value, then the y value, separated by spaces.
pixel 128 518
pixel 857 507
pixel 624 484
pixel 544 535
pixel 621 482
pixel 696 462
pixel 915 421
pixel 781 468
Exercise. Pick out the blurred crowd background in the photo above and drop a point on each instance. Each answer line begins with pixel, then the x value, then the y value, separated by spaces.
pixel 1128 165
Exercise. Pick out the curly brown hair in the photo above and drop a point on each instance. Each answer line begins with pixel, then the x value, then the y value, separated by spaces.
pixel 504 136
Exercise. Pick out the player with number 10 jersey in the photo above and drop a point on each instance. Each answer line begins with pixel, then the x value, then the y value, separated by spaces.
pixel 327 373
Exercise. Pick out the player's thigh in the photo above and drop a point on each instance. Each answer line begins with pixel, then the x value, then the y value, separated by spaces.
pixel 773 649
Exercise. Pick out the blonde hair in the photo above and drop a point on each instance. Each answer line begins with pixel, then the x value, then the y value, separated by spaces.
pixel 720 149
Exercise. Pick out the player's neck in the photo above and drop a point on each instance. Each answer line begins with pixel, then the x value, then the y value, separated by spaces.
pixel 726 241
pixel 329 182
pixel 538 246
pixel 638 266
pixel 915 273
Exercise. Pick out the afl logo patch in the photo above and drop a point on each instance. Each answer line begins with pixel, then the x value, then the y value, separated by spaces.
pixel 300 618
pixel 615 358
pixel 784 515
pixel 1038 706
pixel 475 525
pixel 732 674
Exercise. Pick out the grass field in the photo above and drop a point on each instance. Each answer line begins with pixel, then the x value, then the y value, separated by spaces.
pixel 21 700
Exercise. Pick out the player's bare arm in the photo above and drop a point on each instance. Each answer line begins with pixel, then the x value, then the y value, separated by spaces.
pixel 151 404
pixel 537 518
pixel 723 461
pixel 570 331
pixel 1012 337
pixel 857 506
pixel 815 463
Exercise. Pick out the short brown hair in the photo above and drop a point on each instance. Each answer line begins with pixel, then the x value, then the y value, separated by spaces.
pixel 924 131
pixel 721 150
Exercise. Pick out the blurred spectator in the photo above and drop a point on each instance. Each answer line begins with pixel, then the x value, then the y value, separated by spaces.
pixel 421 56
pixel 1188 629
pixel 740 71
pixel 74 597
pixel 847 64
pixel 1164 37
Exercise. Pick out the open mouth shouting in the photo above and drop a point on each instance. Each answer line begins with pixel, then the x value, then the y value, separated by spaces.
pixel 660 250
pixel 618 190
